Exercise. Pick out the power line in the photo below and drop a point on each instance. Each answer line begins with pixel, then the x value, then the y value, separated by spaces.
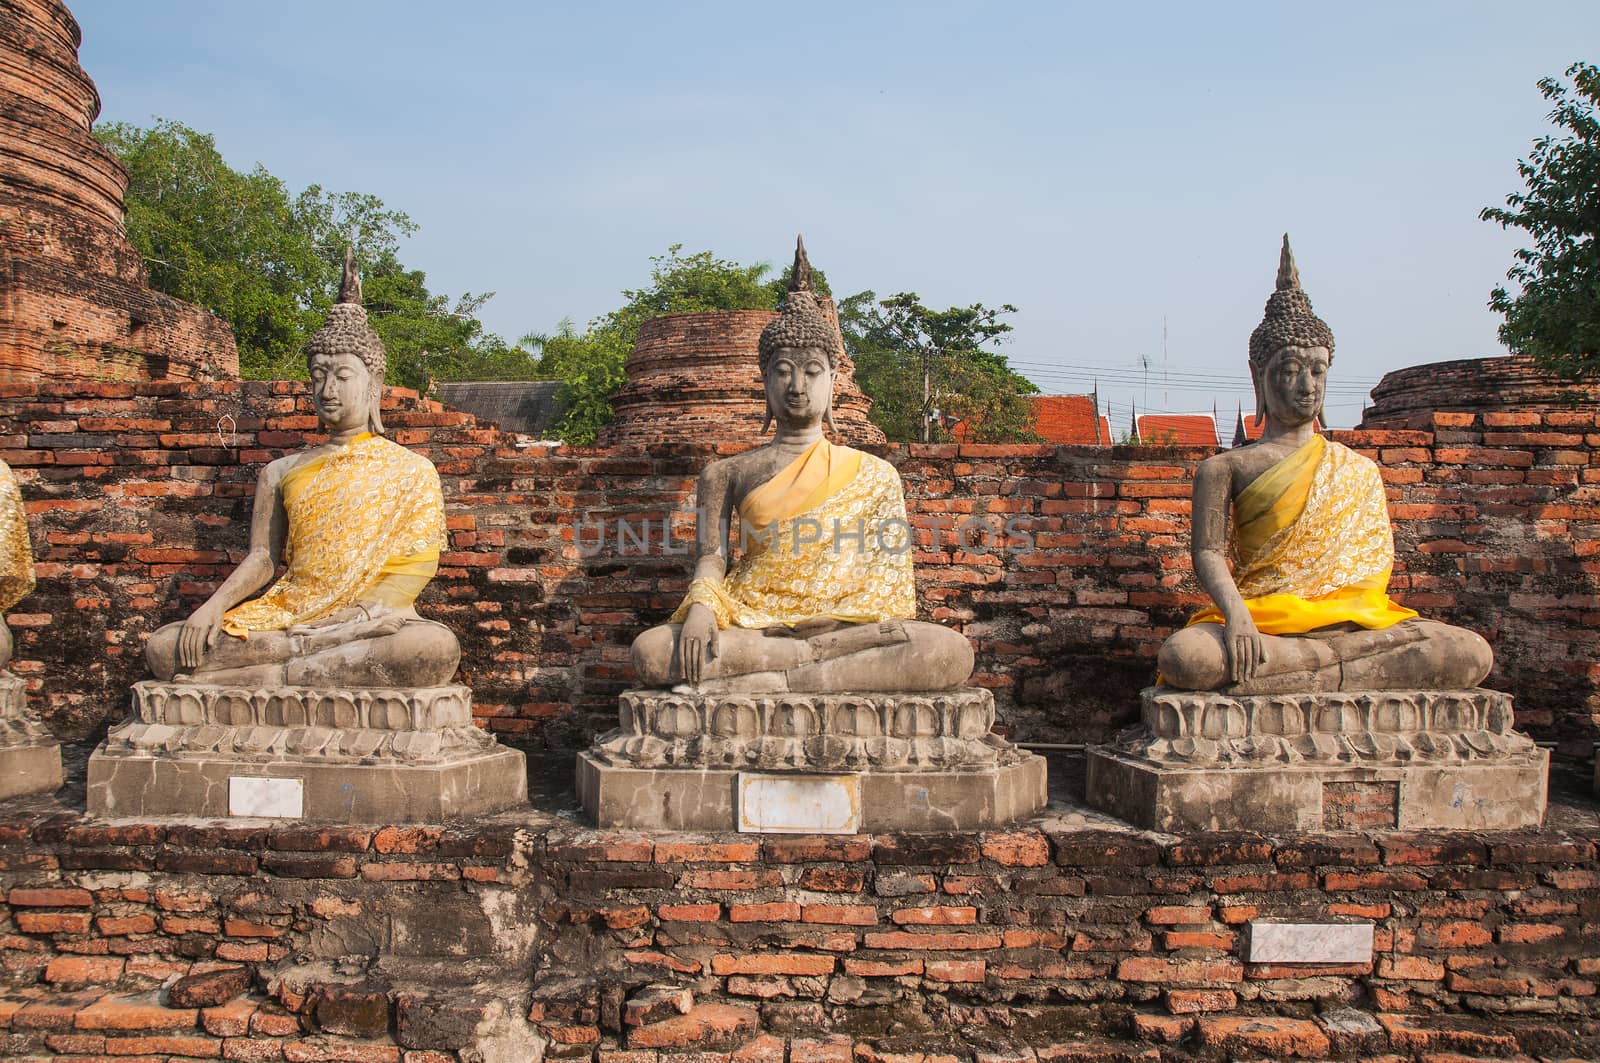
pixel 1131 376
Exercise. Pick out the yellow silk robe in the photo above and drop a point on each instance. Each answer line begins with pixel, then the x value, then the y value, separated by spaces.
pixel 16 553
pixel 857 569
pixel 1312 544
pixel 366 524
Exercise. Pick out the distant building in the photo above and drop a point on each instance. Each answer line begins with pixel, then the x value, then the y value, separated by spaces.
pixel 1059 419
pixel 1187 429
pixel 1247 429
pixel 529 407
pixel 1070 419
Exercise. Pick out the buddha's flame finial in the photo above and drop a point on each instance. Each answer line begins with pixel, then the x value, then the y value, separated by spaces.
pixel 350 283
pixel 800 276
pixel 1288 274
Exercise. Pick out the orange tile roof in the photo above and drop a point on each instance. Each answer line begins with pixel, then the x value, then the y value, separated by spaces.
pixel 1068 419
pixel 1184 428
pixel 1058 419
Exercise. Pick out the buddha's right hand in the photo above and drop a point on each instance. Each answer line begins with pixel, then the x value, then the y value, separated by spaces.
pixel 1247 651
pixel 697 642
pixel 198 634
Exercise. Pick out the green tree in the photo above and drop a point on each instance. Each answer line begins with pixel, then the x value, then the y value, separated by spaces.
pixel 590 364
pixel 926 370
pixel 1555 314
pixel 239 244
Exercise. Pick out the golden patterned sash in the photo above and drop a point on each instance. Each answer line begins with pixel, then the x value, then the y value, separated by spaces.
pixel 835 545
pixel 1312 544
pixel 366 523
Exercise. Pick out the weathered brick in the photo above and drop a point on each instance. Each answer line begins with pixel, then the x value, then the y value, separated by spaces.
pixel 84 970
pixel 49 897
pixel 1195 1001
pixel 1023 848
pixel 908 939
pixel 1264 1036
pixel 810 849
pixel 1196 973
pixel 773 912
pixel 942 915
pixel 706 1026
pixel 799 963
pixel 939 850
pixel 138 1012
pixel 840 914
pixel 707 852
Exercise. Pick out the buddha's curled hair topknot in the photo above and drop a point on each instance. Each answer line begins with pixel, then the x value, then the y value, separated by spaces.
pixel 346 332
pixel 800 322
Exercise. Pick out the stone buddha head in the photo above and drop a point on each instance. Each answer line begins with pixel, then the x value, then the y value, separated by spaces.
pixel 1290 351
pixel 798 353
pixel 346 361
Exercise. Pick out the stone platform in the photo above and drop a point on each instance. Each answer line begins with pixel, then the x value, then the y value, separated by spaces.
pixel 1395 759
pixel 30 757
pixel 346 756
pixel 926 761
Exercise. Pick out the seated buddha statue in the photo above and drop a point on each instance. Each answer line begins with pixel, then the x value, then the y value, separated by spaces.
pixel 1305 606
pixel 16 556
pixel 359 522
pixel 821 597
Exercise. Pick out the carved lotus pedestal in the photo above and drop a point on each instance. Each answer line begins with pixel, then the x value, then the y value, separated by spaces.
pixel 808 763
pixel 30 757
pixel 330 756
pixel 1407 759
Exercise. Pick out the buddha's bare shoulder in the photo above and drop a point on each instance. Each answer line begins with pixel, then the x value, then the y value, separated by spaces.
pixel 742 473
pixel 1240 466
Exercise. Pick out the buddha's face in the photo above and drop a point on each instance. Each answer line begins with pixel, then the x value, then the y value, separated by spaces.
pixel 1293 384
pixel 799 385
pixel 341 391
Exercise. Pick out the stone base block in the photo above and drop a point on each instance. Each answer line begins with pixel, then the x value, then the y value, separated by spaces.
pixel 30 769
pixel 141 785
pixel 30 757
pixel 704 799
pixel 1488 794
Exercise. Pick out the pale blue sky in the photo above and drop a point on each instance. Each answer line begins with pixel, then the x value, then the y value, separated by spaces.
pixel 1100 166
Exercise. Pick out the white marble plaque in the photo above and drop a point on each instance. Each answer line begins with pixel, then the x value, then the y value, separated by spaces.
pixel 1310 942
pixel 253 796
pixel 799 804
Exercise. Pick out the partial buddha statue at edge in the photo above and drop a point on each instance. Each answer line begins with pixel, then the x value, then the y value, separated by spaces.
pixel 16 556
pixel 359 521
pixel 1305 606
pixel 822 597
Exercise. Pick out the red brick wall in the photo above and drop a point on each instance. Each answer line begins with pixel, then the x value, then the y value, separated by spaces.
pixel 1049 933
pixel 138 509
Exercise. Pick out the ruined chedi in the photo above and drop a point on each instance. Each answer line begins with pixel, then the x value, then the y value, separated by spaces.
pixel 326 697
pixel 793 690
pixel 692 378
pixel 74 305
pixel 30 757
pixel 1304 698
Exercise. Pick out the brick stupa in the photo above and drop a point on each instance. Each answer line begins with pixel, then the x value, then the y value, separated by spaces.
pixel 73 297
pixel 1408 398
pixel 694 378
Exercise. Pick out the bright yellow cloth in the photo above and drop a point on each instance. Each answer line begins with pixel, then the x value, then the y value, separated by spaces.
pixel 1312 544
pixel 16 553
pixel 805 483
pixel 366 524
pixel 856 569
